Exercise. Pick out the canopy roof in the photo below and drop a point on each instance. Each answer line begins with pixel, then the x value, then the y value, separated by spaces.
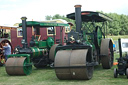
pixel 43 24
pixel 88 16
pixel 9 28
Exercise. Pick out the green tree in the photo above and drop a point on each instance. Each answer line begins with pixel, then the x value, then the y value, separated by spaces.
pixel 57 16
pixel 119 25
pixel 48 17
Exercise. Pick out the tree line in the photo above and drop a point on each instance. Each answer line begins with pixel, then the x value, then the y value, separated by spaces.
pixel 119 25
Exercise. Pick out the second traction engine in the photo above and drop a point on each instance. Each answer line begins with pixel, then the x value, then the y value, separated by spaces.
pixel 20 63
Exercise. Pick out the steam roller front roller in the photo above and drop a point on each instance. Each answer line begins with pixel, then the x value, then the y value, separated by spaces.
pixel 107 55
pixel 18 66
pixel 72 64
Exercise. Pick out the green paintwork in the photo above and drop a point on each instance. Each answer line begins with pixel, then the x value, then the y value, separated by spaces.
pixel 27 67
pixel 36 43
pixel 88 39
pixel 35 51
pixel 84 35
pixel 42 44
pixel 46 44
pixel 99 36
pixel 43 24
pixel 50 42
pixel 21 55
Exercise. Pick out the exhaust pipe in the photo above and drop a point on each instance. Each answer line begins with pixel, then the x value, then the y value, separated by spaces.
pixel 120 49
pixel 78 18
pixel 24 40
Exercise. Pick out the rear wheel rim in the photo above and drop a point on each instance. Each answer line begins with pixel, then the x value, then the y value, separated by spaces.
pixel 107 49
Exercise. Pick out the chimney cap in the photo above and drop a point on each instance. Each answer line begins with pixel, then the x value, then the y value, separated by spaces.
pixel 78 6
pixel 23 18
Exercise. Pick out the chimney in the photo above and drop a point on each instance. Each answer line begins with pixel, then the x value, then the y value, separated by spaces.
pixel 24 41
pixel 78 18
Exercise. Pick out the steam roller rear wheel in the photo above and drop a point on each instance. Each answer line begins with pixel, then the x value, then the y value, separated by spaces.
pixel 127 73
pixel 107 53
pixel 17 66
pixel 52 52
pixel 71 64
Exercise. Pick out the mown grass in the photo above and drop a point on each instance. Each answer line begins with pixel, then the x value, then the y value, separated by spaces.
pixel 116 37
pixel 47 77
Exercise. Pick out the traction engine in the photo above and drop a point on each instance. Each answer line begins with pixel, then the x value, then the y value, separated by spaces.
pixel 20 63
pixel 86 48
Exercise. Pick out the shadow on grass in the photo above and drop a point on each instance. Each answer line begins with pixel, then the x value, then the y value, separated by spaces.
pixel 98 67
pixel 44 68
pixel 121 77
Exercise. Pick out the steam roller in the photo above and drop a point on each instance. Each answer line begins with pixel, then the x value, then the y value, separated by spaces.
pixel 18 66
pixel 37 54
pixel 85 48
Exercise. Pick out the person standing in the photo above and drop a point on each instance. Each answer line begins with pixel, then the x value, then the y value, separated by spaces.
pixel 7 49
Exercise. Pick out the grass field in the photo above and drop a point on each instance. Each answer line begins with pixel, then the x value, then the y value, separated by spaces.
pixel 47 77
pixel 116 37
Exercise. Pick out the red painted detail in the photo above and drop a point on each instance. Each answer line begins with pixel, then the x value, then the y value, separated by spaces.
pixel 85 13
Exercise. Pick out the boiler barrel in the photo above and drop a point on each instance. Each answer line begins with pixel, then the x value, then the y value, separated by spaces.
pixel 37 52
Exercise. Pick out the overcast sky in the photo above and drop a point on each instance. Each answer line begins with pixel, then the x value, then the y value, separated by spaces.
pixel 12 10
